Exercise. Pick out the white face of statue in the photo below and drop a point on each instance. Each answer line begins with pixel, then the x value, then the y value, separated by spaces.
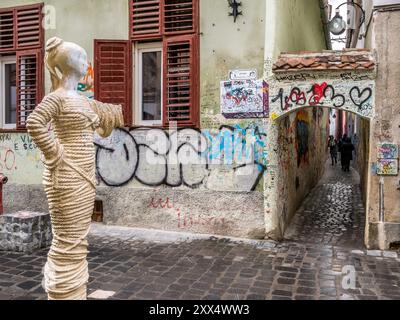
pixel 78 59
pixel 82 63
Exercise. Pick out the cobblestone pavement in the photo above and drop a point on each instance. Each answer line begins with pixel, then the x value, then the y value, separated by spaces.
pixel 333 213
pixel 147 264
pixel 214 268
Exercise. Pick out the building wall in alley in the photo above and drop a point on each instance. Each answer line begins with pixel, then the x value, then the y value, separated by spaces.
pixel 292 26
pixel 385 127
pixel 224 46
pixel 226 199
pixel 302 155
pixel 215 191
pixel 362 154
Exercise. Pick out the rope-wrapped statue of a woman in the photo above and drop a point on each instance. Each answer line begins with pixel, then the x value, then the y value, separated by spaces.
pixel 69 165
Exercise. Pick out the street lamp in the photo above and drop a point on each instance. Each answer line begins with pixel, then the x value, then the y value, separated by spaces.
pixel 337 25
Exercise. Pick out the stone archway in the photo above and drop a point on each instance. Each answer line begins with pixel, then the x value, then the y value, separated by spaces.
pixel 342 80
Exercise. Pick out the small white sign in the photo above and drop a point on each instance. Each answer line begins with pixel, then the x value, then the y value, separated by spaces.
pixel 248 74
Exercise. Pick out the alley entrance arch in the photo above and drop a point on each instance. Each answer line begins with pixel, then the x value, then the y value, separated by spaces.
pixel 355 96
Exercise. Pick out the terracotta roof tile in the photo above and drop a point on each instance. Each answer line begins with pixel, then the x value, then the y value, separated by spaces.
pixel 348 59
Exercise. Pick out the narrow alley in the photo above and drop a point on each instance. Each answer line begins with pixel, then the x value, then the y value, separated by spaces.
pixel 333 212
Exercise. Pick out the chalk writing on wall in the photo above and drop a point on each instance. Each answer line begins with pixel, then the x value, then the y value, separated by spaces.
pixel 186 219
pixel 354 96
pixel 231 158
pixel 244 99
pixel 20 158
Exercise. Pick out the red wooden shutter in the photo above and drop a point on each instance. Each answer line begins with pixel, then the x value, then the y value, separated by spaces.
pixel 7 26
pixel 145 19
pixel 29 31
pixel 180 16
pixel 29 84
pixel 181 80
pixel 112 74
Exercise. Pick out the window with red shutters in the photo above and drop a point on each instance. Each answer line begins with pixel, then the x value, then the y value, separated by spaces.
pixel 21 28
pixel 112 74
pixel 7 30
pixel 29 31
pixel 145 18
pixel 181 80
pixel 22 35
pixel 180 16
pixel 29 84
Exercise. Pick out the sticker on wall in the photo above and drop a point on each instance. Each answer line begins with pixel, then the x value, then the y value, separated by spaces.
pixel 244 99
pixel 387 167
pixel 387 150
pixel 243 74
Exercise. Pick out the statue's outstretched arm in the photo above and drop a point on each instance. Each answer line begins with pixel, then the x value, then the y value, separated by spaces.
pixel 37 123
pixel 110 116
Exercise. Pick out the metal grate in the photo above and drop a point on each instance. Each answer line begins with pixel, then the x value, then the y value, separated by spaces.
pixel 178 80
pixel 28 89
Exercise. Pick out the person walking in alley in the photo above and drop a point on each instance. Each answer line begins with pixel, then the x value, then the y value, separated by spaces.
pixel 347 153
pixel 340 149
pixel 333 149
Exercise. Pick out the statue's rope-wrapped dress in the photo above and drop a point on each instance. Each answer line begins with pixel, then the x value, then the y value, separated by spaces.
pixel 69 182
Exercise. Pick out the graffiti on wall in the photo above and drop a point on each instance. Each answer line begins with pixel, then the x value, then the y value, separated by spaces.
pixel 86 84
pixel 231 158
pixel 244 99
pixel 388 150
pixel 355 96
pixel 387 167
pixel 186 219
pixel 302 136
pixel 388 162
pixel 20 158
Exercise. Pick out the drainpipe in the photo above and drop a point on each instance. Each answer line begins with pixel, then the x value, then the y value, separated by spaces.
pixel 381 223
pixel 3 180
pixel 381 200
pixel 325 16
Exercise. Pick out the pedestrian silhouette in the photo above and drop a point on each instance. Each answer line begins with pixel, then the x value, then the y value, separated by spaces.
pixel 333 149
pixel 347 154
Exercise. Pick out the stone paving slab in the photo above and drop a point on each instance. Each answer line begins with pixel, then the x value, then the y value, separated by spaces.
pixel 333 212
pixel 212 269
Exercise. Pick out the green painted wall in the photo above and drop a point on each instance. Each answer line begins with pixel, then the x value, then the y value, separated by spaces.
pixel 292 25
pixel 77 21
pixel 225 45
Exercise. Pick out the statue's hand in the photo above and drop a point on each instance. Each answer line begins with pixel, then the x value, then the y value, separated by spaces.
pixel 53 159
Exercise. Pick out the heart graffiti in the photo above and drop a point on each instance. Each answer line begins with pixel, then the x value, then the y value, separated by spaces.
pixel 338 100
pixel 357 95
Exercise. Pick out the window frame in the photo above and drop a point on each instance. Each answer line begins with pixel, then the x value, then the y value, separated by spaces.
pixel 140 48
pixel 19 49
pixel 3 62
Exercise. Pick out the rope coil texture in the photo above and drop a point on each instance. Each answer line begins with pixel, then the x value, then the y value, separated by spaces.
pixel 69 183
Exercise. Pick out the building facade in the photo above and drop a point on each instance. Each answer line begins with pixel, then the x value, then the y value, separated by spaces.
pixel 201 150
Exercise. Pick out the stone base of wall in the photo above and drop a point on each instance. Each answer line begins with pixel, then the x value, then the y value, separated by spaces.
pixel 25 231
pixel 21 197
pixel 236 214
pixel 392 235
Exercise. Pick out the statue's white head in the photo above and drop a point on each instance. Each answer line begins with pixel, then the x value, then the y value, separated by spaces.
pixel 64 59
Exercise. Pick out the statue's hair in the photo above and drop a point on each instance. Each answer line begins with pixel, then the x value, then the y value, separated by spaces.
pixel 51 52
